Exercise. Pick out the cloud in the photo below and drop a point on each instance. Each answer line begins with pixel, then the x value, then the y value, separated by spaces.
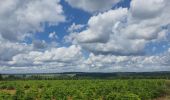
pixel 142 10
pixel 75 27
pixel 105 38
pixel 93 5
pixel 100 26
pixel 38 44
pixel 129 63
pixel 71 59
pixel 148 22
pixel 59 57
pixel 52 35
pixel 122 32
pixel 73 30
pixel 8 50
pixel 19 18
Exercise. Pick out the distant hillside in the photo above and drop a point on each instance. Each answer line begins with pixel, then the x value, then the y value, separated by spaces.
pixel 90 75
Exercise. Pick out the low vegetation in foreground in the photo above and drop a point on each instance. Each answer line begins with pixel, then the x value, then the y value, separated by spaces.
pixel 83 89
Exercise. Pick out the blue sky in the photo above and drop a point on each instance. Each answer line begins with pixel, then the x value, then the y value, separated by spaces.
pixel 84 35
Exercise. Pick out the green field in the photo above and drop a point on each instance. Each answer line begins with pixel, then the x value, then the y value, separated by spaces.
pixel 83 89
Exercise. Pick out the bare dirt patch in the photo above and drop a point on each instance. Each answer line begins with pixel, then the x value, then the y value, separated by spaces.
pixel 163 98
pixel 9 91
pixel 167 96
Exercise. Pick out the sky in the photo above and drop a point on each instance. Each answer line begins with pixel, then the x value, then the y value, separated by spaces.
pixel 48 36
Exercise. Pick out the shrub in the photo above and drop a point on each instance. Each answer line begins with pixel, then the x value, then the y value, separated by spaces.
pixel 3 86
pixel 26 86
pixel 5 96
pixel 19 95
pixel 30 95
pixel 122 96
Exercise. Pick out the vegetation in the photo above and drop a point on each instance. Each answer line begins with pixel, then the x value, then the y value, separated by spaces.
pixel 84 75
pixel 82 89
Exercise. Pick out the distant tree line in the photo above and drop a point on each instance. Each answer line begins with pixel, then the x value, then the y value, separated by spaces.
pixel 79 76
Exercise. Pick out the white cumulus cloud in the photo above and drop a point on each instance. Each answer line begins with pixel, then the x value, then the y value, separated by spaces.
pixel 93 5
pixel 18 18
pixel 121 32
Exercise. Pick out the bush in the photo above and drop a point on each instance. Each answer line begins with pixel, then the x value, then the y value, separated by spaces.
pixel 5 96
pixel 19 95
pixel 10 87
pixel 26 86
pixel 122 96
pixel 30 95
pixel 46 94
pixel 3 87
pixel 40 86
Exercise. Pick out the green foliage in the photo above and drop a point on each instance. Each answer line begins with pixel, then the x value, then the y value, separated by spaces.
pixel 1 77
pixel 83 89
pixel 26 86
pixel 31 94
pixel 8 86
pixel 122 96
pixel 19 95
pixel 46 94
pixel 5 96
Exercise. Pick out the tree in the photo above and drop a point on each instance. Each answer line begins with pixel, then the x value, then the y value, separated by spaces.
pixel 1 78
